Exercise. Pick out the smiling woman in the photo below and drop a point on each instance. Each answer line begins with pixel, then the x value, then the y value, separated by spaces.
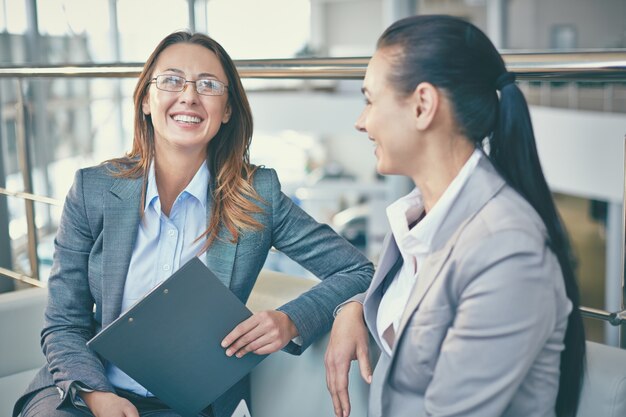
pixel 186 189
pixel 174 143
pixel 477 263
pixel 184 121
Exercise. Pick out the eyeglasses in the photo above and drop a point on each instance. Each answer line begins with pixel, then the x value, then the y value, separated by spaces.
pixel 176 84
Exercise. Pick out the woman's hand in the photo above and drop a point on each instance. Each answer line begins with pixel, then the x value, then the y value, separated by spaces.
pixel 348 341
pixel 263 333
pixel 108 404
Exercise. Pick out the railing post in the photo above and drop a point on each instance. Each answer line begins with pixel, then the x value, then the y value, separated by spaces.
pixel 622 264
pixel 614 269
pixel 6 284
pixel 23 149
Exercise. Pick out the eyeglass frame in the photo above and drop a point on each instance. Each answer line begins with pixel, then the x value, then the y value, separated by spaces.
pixel 225 87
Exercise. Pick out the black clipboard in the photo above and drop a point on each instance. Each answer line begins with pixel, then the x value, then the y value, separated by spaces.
pixel 169 341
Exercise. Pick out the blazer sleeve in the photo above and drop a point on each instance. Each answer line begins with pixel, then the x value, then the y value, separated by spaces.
pixel 344 271
pixel 69 321
pixel 507 309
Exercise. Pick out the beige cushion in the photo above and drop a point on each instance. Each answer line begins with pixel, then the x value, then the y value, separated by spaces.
pixel 21 321
pixel 604 388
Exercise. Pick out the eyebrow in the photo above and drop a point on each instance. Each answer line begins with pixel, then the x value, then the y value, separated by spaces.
pixel 174 70
pixel 202 75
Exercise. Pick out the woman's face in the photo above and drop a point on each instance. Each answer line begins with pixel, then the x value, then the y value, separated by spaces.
pixel 186 121
pixel 388 119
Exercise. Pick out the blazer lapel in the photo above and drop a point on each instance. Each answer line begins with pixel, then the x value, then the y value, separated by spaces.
pixel 480 187
pixel 121 220
pixel 429 271
pixel 220 257
pixel 390 254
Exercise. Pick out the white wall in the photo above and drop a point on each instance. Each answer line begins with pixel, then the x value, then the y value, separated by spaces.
pixel 346 27
pixel 599 24
pixel 326 115
pixel 582 152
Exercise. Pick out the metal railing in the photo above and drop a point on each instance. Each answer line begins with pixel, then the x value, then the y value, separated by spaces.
pixel 565 66
pixel 599 66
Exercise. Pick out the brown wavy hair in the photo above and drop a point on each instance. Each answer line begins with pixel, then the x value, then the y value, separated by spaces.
pixel 234 197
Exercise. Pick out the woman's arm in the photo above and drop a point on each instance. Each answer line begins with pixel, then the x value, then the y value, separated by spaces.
pixel 344 271
pixel 69 322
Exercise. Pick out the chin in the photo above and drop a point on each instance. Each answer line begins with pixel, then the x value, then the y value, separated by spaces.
pixel 383 171
pixel 382 168
pixel 386 170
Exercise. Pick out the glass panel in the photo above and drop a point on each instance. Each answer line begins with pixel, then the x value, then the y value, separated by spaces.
pixel 15 16
pixel 565 24
pixel 72 123
pixel 72 17
pixel 592 96
pixel 157 20
pixel 84 23
pixel 263 31
pixel 585 221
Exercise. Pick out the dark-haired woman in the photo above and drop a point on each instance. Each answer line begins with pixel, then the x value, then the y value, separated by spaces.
pixel 474 303
pixel 186 189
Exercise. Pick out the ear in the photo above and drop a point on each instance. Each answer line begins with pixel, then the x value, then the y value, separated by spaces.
pixel 426 99
pixel 145 104
pixel 227 113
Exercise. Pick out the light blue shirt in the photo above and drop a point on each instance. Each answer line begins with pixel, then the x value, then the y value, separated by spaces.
pixel 163 245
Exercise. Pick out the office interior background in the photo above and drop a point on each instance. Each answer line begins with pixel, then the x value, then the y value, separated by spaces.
pixel 50 127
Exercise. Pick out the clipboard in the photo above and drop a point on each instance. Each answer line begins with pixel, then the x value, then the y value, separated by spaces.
pixel 169 341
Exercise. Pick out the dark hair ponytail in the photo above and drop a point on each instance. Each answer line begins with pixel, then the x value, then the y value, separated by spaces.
pixel 458 58
pixel 514 153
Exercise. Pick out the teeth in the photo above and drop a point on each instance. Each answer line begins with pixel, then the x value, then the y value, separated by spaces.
pixel 186 119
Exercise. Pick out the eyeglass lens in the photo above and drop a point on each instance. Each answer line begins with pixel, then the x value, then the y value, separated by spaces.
pixel 205 86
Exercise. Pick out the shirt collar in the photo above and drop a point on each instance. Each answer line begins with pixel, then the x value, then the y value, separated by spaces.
pixel 197 187
pixel 409 208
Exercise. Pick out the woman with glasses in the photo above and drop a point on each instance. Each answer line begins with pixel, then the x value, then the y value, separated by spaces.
pixel 185 189
pixel 474 303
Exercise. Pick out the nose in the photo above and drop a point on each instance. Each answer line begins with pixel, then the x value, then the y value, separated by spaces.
pixel 360 122
pixel 189 93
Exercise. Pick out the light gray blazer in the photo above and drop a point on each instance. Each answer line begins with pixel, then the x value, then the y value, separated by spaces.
pixel 483 329
pixel 94 244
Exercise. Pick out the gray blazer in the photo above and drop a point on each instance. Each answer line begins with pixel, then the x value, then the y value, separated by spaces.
pixel 483 329
pixel 94 244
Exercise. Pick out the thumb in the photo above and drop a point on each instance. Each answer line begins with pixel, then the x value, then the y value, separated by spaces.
pixel 364 364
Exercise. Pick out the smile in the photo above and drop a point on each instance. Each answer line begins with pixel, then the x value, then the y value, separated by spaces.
pixel 186 119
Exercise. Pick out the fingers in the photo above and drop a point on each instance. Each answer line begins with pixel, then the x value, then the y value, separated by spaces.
pixel 258 343
pixel 348 341
pixel 241 345
pixel 263 333
pixel 241 329
pixel 337 380
pixel 341 387
pixel 362 355
pixel 337 361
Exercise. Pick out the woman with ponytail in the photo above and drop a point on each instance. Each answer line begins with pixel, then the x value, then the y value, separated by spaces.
pixel 474 305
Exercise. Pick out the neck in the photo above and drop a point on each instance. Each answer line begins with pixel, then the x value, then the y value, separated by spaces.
pixel 173 172
pixel 439 169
